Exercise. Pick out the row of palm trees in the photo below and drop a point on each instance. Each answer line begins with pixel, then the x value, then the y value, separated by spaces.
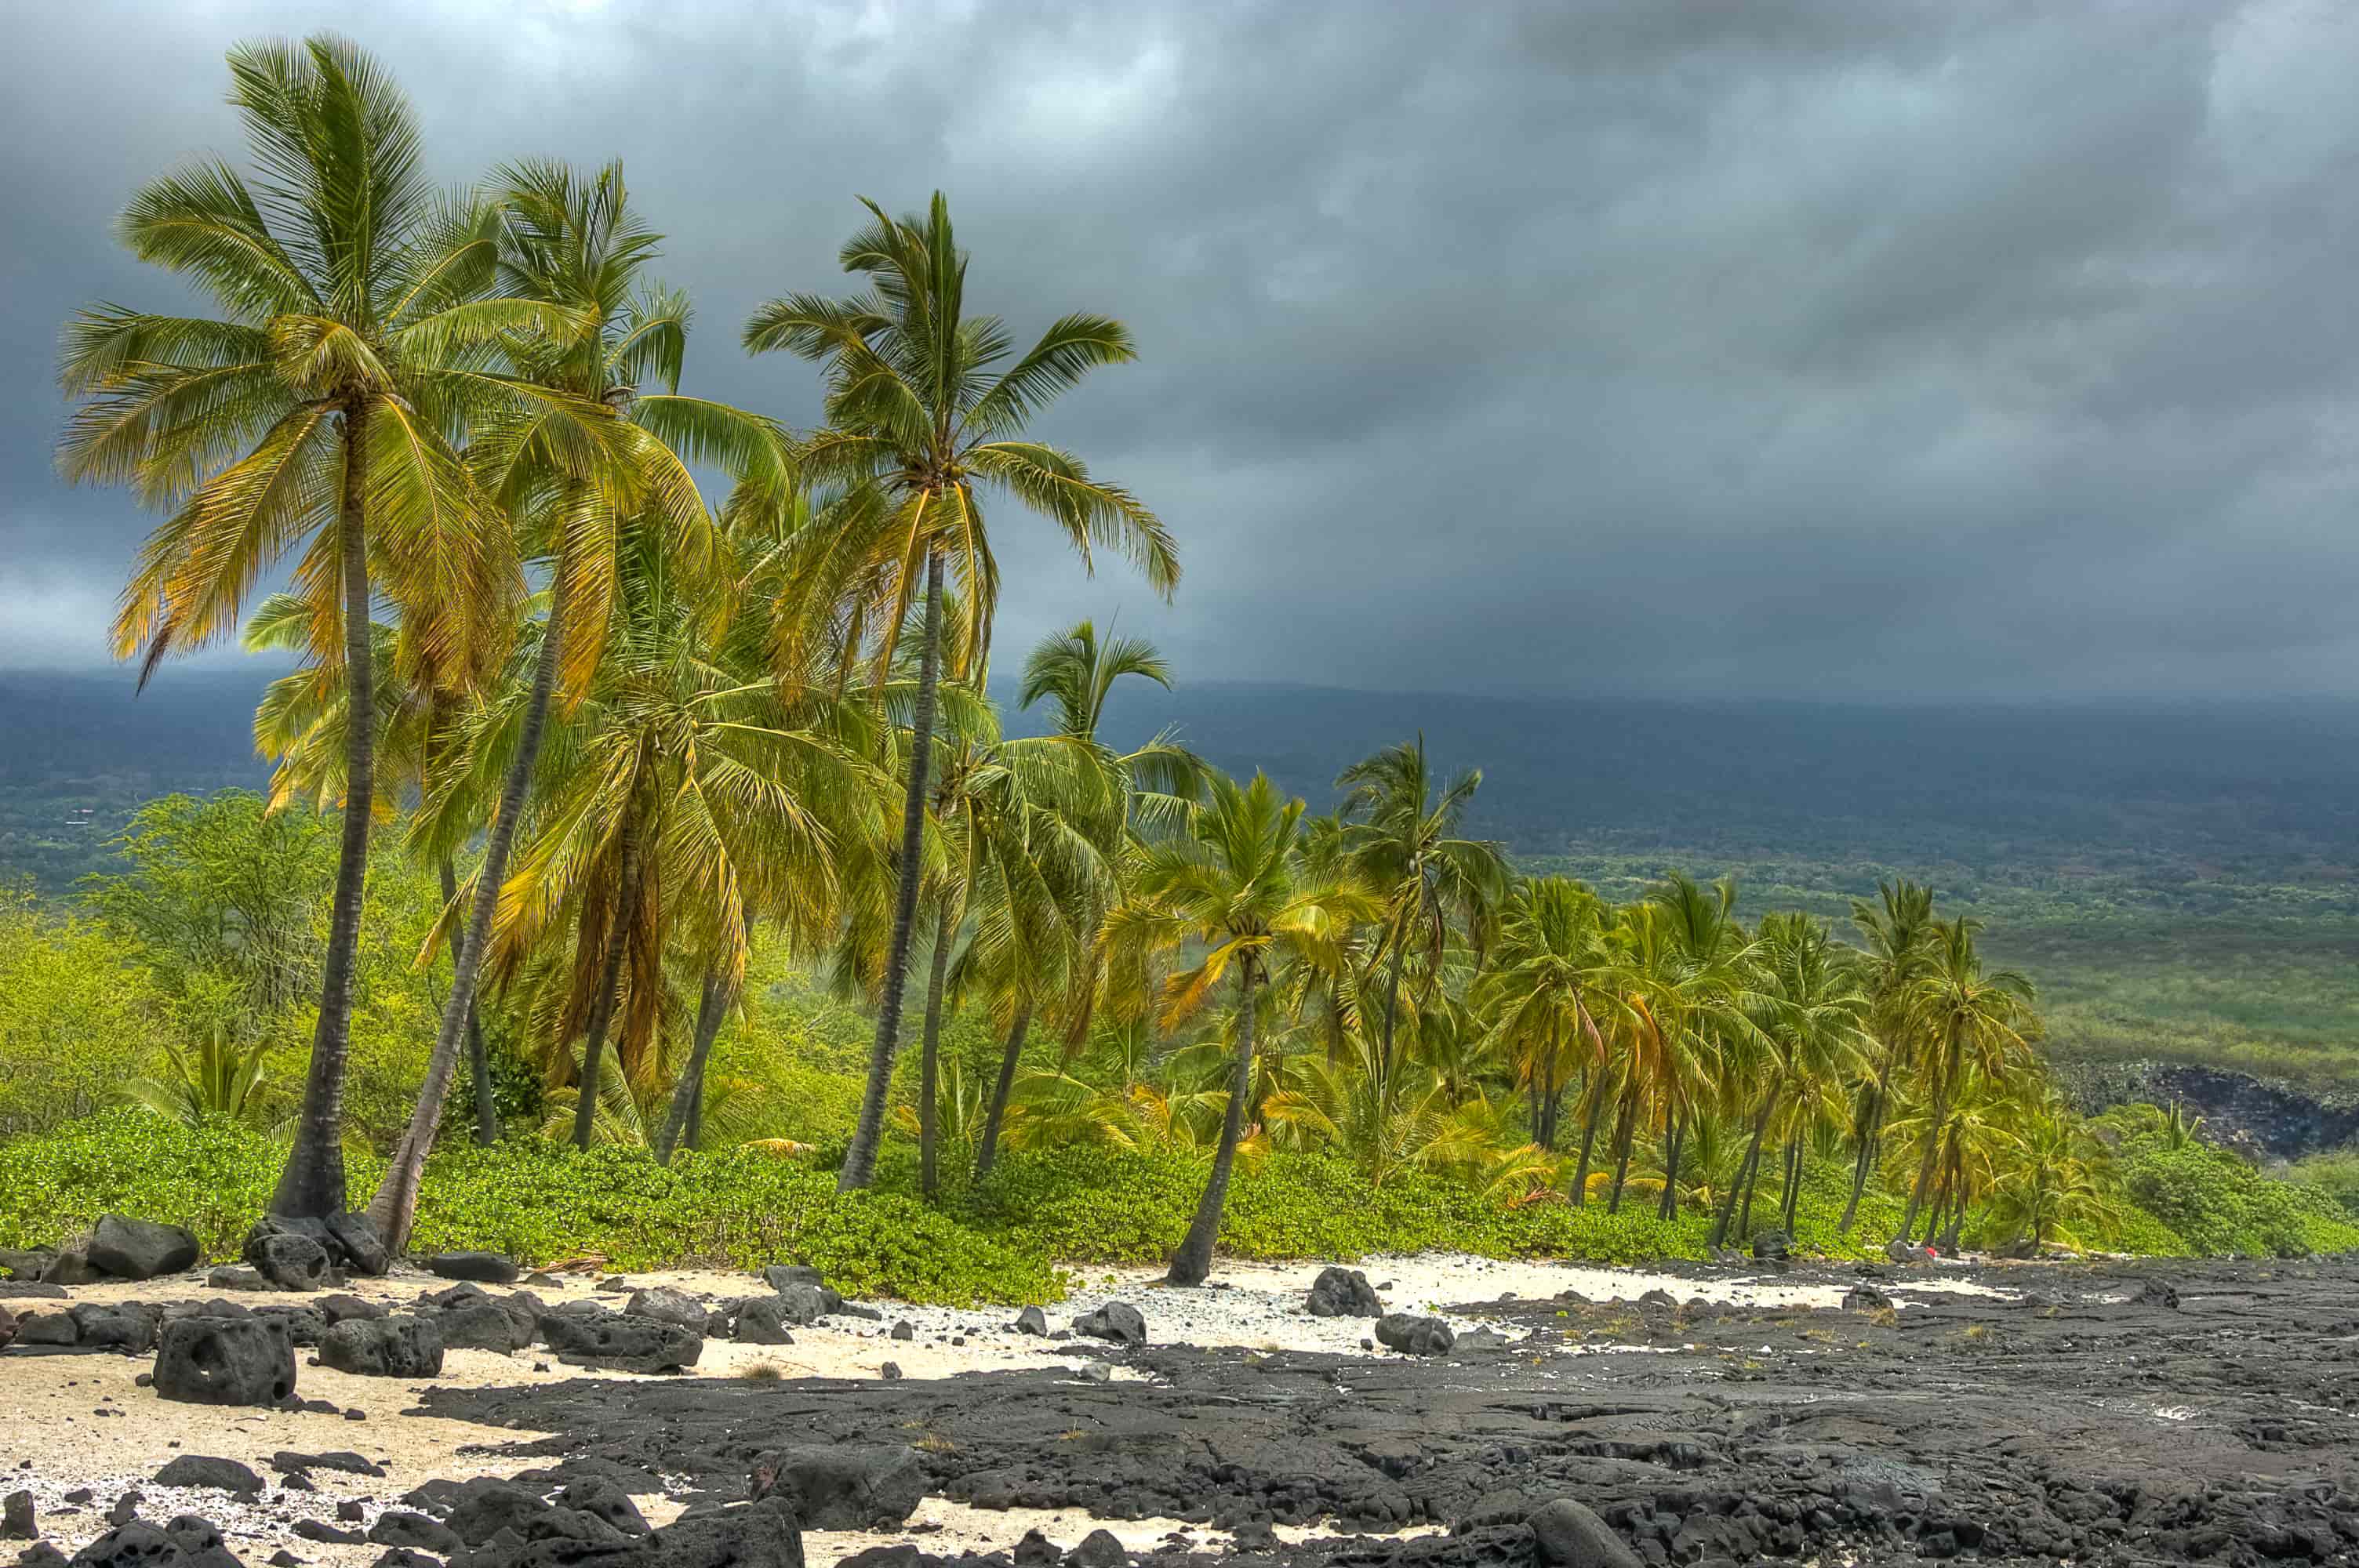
pixel 638 730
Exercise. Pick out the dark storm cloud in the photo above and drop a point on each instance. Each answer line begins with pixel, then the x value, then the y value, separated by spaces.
pixel 1829 350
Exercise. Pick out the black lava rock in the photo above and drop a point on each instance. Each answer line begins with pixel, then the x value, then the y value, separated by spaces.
pixel 1343 1292
pixel 484 1268
pixel 762 1321
pixel 1415 1336
pixel 1567 1535
pixel 668 1306
pixel 225 1361
pixel 1117 1321
pixel 1032 1320
pixel 289 1261
pixel 1771 1246
pixel 481 1326
pixel 203 1470
pixel 399 1526
pixel 622 1343
pixel 842 1487
pixel 16 1517
pixel 130 1328
pixel 140 1249
pixel 383 1348
pixel 355 1242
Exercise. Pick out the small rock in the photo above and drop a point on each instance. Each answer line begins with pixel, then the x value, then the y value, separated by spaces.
pixel 126 1509
pixel 1116 1321
pixel 762 1321
pixel 16 1517
pixel 1099 1548
pixel 1771 1246
pixel 1098 1372
pixel 667 1306
pixel 349 1509
pixel 401 1527
pixel 328 1535
pixel 483 1267
pixel 890 1371
pixel 1865 1297
pixel 840 1486
pixel 1032 1320
pixel 1416 1336
pixel 340 1308
pixel 289 1261
pixel 382 1347
pixel 2158 1292
pixel 228 1278
pixel 903 1331
pixel 1036 1550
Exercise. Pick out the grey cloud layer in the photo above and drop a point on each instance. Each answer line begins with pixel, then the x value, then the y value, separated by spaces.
pixel 1842 348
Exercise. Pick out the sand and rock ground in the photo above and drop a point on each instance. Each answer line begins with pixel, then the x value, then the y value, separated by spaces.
pixel 2038 1413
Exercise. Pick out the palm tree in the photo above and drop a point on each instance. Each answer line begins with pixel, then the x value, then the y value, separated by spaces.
pixel 587 457
pixel 915 417
pixel 1895 930
pixel 1809 1015
pixel 1404 841
pixel 1235 883
pixel 314 407
pixel 1961 1020
pixel 1542 992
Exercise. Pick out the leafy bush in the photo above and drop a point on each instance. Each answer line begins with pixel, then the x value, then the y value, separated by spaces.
pixel 2221 1206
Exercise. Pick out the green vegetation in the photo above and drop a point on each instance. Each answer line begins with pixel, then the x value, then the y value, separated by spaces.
pixel 647 818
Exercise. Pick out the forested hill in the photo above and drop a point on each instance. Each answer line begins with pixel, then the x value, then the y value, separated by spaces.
pixel 2186 799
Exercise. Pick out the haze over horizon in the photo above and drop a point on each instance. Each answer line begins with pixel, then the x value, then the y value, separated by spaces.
pixel 1841 351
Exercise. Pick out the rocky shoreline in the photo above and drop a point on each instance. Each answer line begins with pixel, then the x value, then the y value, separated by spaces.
pixel 2046 1412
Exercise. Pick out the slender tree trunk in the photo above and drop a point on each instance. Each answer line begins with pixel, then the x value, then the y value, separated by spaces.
pixel 1624 1130
pixel 396 1203
pixel 688 1095
pixel 1588 1143
pixel 1193 1261
pixel 1392 1007
pixel 1871 1130
pixel 999 1091
pixel 1794 1187
pixel 1668 1205
pixel 312 1182
pixel 930 1063
pixel 610 980
pixel 860 1158
pixel 1743 1169
pixel 479 1067
pixel 1925 1166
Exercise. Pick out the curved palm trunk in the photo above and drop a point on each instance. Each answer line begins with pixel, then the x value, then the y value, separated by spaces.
pixel 1871 1125
pixel 1745 1169
pixel 396 1203
pixel 688 1095
pixel 930 1057
pixel 312 1182
pixel 860 1158
pixel 1392 1005
pixel 610 979
pixel 1193 1261
pixel 999 1091
pixel 479 1067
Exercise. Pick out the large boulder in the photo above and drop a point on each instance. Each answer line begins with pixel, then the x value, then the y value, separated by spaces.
pixel 383 1348
pixel 801 1303
pixel 1415 1336
pixel 25 1263
pixel 130 1328
pixel 483 1267
pixel 842 1488
pixel 1119 1321
pixel 605 1500
pixel 290 1260
pixel 203 1470
pixel 137 1544
pixel 481 1326
pixel 1567 1535
pixel 667 1306
pixel 778 1276
pixel 763 1320
pixel 201 1542
pixel 358 1245
pixel 1343 1292
pixel 225 1361
pixel 765 1535
pixel 140 1249
pixel 620 1342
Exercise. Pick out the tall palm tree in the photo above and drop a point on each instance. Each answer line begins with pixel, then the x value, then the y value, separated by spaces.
pixel 1810 1016
pixel 925 408
pixel 315 408
pixel 1542 992
pixel 1961 1020
pixel 1404 841
pixel 1895 929
pixel 1236 882
pixel 595 455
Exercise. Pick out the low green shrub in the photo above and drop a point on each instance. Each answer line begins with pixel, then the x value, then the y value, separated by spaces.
pixel 2222 1207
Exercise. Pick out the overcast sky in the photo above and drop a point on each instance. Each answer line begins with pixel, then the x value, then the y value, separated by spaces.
pixel 1834 350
